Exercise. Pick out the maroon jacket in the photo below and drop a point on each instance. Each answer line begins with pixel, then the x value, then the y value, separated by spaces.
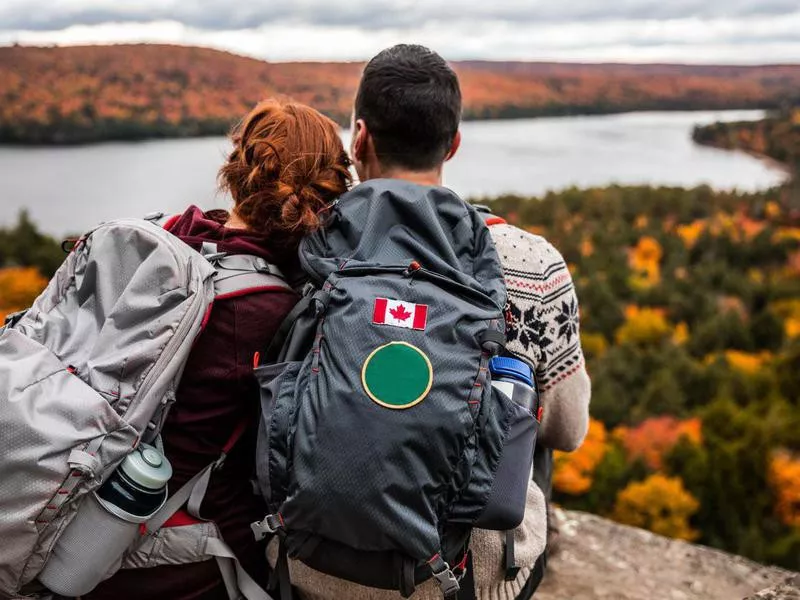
pixel 217 392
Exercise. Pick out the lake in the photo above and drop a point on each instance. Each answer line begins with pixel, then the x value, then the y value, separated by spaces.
pixel 67 189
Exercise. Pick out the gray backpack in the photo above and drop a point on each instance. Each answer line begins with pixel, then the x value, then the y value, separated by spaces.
pixel 382 441
pixel 87 374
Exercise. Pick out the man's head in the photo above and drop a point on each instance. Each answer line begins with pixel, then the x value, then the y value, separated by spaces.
pixel 406 115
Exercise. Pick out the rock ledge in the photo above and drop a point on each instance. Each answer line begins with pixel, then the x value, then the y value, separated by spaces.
pixel 596 559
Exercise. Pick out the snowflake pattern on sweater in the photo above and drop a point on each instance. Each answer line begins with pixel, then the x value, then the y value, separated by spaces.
pixel 542 313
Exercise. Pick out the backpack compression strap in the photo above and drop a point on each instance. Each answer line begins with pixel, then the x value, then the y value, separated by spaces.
pixel 237 581
pixel 241 274
pixel 237 274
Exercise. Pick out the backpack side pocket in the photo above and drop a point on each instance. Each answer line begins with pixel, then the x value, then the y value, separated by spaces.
pixel 280 389
pixel 505 507
pixel 505 437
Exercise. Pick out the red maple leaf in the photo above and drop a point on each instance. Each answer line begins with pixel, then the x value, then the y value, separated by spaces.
pixel 400 313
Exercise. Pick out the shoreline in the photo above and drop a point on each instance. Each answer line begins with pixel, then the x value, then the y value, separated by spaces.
pixel 547 112
pixel 771 163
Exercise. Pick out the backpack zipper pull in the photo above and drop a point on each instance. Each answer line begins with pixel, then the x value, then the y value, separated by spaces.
pixel 412 268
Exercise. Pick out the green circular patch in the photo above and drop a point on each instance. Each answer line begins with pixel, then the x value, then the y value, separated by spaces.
pixel 397 375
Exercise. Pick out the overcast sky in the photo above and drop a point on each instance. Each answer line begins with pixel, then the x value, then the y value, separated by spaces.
pixel 697 31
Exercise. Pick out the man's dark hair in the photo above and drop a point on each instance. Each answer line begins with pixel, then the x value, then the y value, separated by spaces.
pixel 411 102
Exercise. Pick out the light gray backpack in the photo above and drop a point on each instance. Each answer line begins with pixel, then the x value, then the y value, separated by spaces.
pixel 87 374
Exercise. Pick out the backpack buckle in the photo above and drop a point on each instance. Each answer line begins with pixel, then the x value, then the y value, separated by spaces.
pixel 444 575
pixel 268 526
pixel 448 582
pixel 211 253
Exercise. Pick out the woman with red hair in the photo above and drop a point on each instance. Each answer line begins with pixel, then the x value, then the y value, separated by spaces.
pixel 286 166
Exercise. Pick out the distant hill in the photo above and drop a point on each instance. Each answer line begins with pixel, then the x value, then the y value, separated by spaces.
pixel 92 93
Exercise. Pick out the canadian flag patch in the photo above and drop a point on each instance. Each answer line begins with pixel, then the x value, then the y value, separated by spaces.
pixel 400 314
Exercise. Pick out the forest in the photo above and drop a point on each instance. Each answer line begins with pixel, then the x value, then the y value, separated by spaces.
pixel 690 316
pixel 776 137
pixel 93 93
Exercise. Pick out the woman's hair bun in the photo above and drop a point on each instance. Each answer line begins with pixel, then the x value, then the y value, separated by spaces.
pixel 287 164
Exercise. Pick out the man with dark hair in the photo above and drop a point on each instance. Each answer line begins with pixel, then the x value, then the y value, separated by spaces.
pixel 407 109
pixel 405 127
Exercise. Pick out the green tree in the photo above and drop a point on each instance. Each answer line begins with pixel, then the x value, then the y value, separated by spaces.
pixel 25 246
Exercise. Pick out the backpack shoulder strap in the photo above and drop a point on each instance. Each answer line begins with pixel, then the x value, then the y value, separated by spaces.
pixel 237 274
pixel 242 274
pixel 161 219
pixel 486 214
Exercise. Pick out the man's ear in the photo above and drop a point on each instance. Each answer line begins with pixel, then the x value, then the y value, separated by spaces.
pixel 454 146
pixel 358 147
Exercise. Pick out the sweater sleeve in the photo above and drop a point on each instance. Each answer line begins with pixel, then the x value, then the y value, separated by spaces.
pixel 544 324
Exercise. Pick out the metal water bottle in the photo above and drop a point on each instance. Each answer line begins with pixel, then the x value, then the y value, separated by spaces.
pixel 515 379
pixel 107 523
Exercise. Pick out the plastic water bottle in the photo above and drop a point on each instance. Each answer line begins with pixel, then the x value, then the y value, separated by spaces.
pixel 515 379
pixel 107 523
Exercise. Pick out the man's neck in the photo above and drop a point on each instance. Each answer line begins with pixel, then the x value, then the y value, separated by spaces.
pixel 433 177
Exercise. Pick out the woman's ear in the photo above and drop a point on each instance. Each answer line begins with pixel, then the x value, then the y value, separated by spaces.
pixel 454 146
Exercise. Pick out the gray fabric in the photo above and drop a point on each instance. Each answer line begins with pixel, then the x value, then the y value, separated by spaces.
pixel 91 364
pixel 506 505
pixel 172 546
pixel 389 222
pixel 360 485
pixel 230 285
pixel 179 498
pixel 335 453
pixel 247 262
pixel 240 272
pixel 280 386
pixel 247 586
pixel 90 547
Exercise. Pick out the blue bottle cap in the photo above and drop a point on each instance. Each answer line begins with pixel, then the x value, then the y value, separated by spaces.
pixel 511 367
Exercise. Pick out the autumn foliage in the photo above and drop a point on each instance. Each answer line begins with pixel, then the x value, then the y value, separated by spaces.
pixel 643 326
pixel 573 471
pixel 777 137
pixel 660 504
pixel 784 476
pixel 77 94
pixel 653 438
pixel 645 262
pixel 19 287
pixel 690 322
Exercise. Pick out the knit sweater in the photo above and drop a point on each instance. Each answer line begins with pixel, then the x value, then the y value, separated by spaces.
pixel 543 324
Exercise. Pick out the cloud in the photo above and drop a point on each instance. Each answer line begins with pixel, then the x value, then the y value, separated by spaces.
pixel 730 31
pixel 222 15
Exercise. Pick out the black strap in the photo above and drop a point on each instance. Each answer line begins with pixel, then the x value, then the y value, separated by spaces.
pixel 307 547
pixel 282 566
pixel 407 584
pixel 536 576
pixel 14 318
pixel 274 349
pixel 468 591
pixel 511 566
pixel 494 336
